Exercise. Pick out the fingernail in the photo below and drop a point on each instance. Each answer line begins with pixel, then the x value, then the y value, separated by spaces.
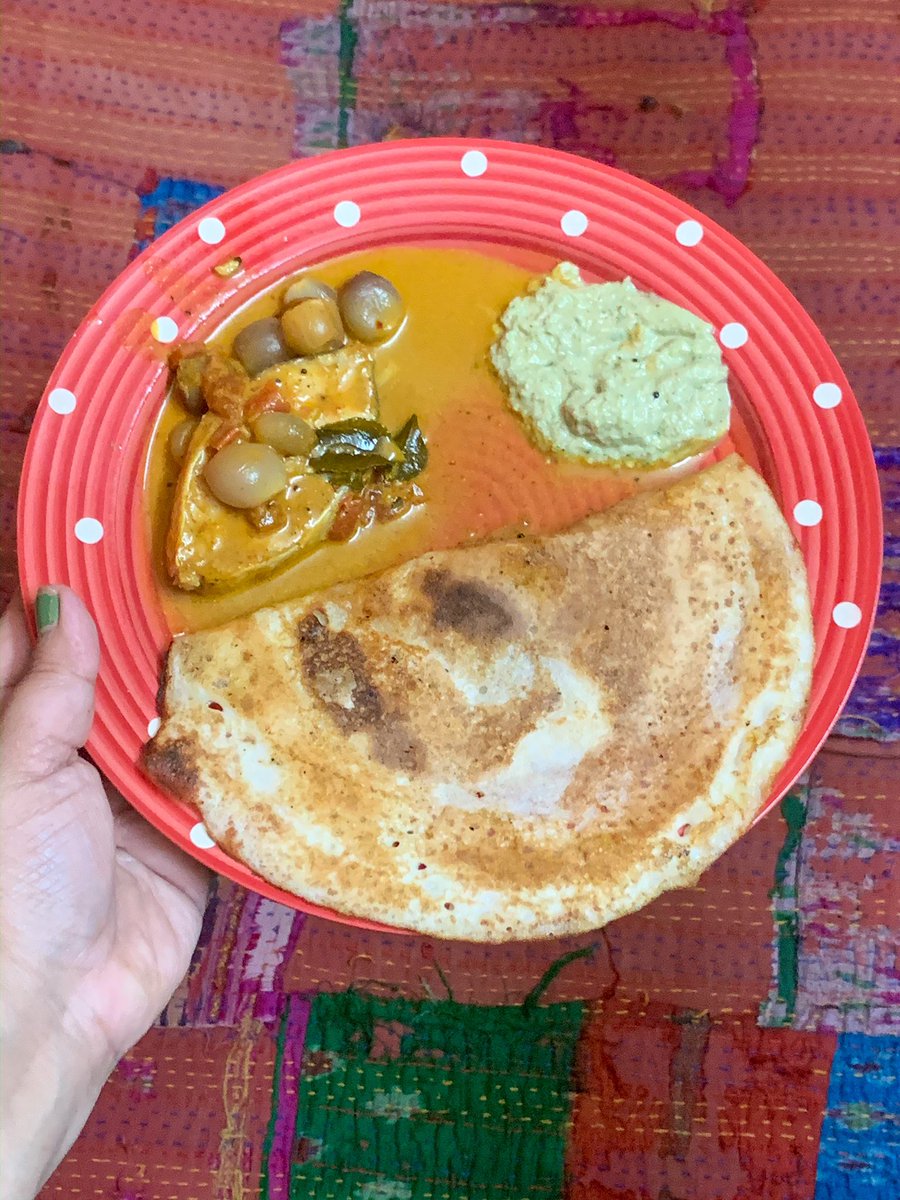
pixel 46 609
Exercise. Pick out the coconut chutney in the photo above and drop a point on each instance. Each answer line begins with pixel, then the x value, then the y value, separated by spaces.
pixel 609 374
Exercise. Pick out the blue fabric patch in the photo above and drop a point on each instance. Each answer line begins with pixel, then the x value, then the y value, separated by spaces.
pixel 859 1151
pixel 166 203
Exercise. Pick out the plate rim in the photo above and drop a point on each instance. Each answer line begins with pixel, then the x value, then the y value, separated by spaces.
pixel 295 171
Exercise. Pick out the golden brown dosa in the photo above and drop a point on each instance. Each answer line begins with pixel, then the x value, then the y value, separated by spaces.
pixel 517 739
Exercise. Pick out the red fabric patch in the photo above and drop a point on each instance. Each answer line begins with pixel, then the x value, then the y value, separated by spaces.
pixel 183 1115
pixel 682 1105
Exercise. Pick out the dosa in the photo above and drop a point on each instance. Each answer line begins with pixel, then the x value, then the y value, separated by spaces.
pixel 519 739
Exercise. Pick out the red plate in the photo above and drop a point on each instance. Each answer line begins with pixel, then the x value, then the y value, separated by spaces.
pixel 81 516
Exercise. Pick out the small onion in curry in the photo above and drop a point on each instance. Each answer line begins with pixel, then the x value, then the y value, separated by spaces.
pixel 245 474
pixel 284 432
pixel 307 288
pixel 371 307
pixel 261 345
pixel 312 327
pixel 180 437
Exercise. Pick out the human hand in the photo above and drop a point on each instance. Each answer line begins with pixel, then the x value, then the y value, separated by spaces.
pixel 99 914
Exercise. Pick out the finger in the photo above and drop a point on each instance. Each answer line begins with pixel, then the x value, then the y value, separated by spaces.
pixel 49 712
pixel 139 839
pixel 15 647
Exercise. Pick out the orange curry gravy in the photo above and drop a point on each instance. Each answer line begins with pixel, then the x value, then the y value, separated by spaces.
pixel 483 475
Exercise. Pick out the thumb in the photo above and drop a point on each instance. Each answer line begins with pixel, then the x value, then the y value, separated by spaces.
pixel 49 713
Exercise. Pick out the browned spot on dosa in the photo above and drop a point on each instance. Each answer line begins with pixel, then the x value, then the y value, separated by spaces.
pixel 337 672
pixel 469 607
pixel 172 766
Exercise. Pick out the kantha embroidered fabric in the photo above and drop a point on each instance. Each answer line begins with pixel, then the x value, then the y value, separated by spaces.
pixel 734 1041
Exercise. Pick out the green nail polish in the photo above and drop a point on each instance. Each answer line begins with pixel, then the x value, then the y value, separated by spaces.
pixel 46 609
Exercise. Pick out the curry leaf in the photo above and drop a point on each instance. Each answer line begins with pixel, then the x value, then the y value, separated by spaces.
pixel 411 441
pixel 353 435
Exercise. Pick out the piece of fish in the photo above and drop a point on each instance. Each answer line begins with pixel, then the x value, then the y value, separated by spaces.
pixel 210 544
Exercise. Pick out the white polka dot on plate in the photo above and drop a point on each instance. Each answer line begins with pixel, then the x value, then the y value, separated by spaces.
pixel 346 213
pixel 200 837
pixel 62 401
pixel 689 233
pixel 164 329
pixel 88 530
pixel 847 614
pixel 473 163
pixel 573 223
pixel 827 395
pixel 211 230
pixel 807 512
pixel 154 726
pixel 733 335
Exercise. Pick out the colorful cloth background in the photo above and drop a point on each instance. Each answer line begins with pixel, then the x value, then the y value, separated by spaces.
pixel 735 1041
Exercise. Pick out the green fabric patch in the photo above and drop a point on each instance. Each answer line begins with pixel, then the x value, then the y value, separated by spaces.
pixel 779 1008
pixel 433 1100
